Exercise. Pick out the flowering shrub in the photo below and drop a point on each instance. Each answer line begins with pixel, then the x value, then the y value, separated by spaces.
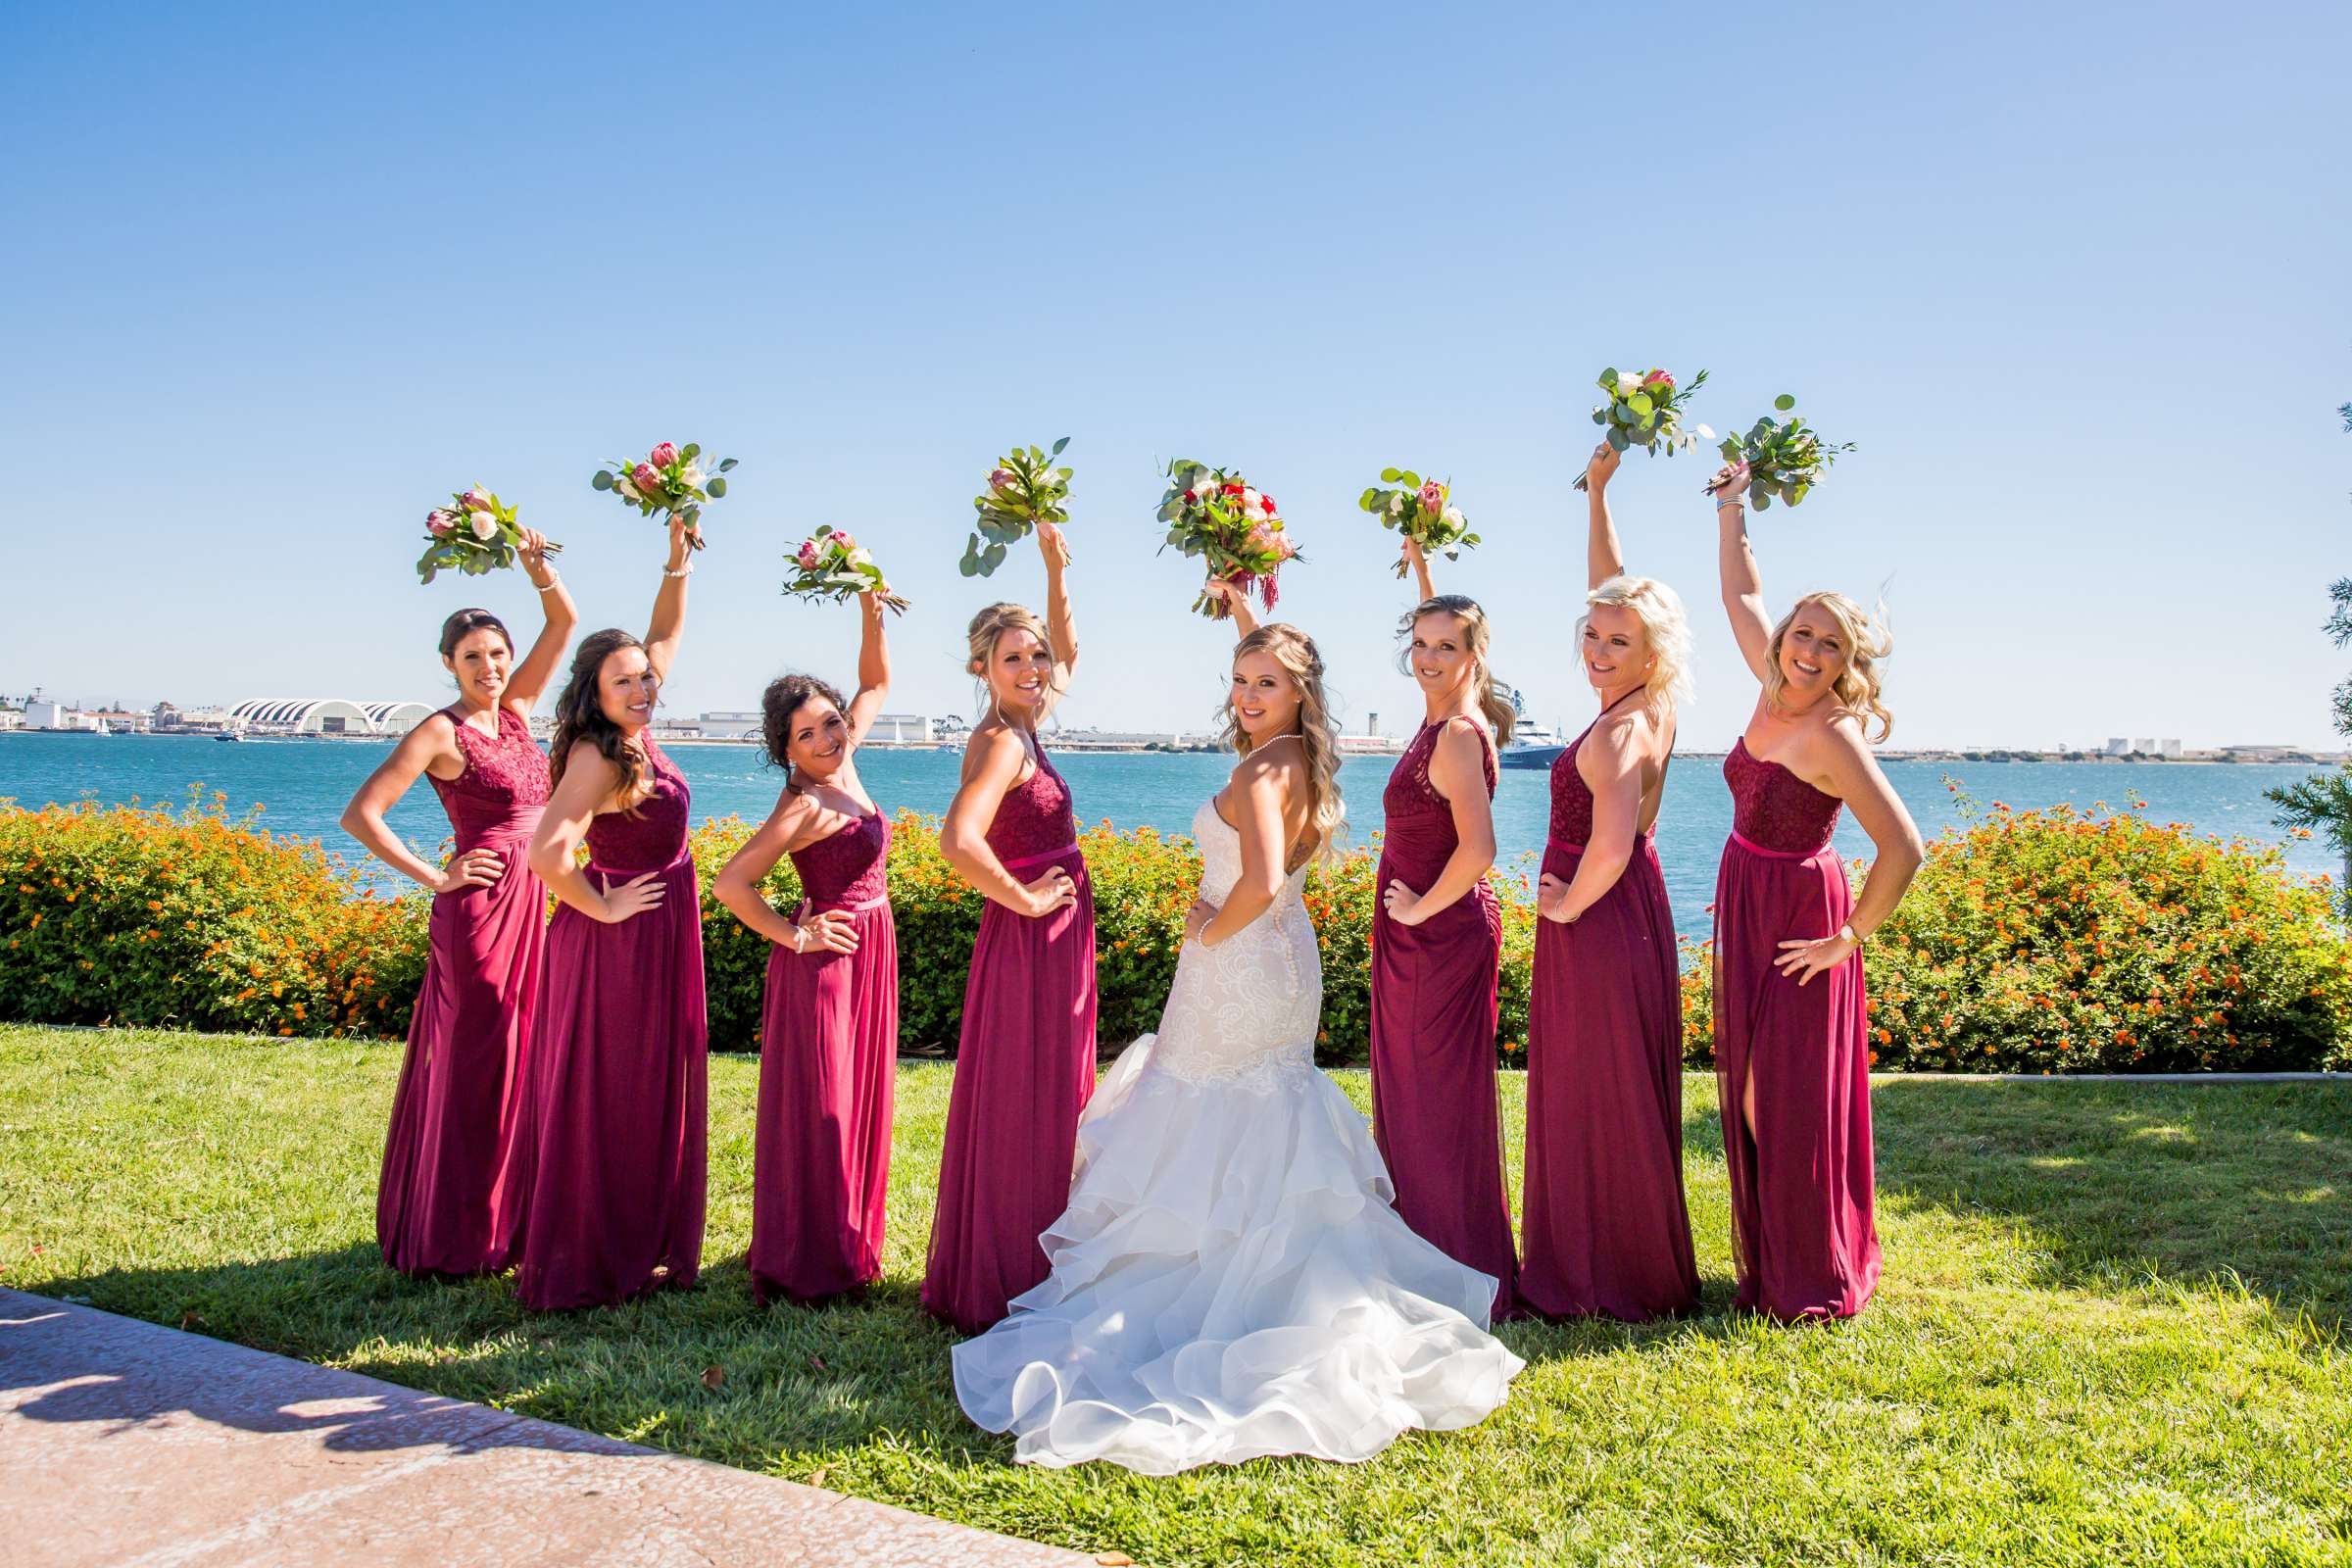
pixel 2055 939
pixel 2059 941
pixel 2036 941
pixel 189 918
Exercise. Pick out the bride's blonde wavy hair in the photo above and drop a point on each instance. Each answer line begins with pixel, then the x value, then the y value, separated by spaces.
pixel 1856 689
pixel 1318 735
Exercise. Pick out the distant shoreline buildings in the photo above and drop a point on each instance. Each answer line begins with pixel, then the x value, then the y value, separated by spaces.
pixel 346 719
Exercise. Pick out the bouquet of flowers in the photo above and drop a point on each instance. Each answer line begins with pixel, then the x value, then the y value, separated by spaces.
pixel 1784 458
pixel 475 533
pixel 830 564
pixel 671 479
pixel 1647 411
pixel 1423 510
pixel 1024 489
pixel 1215 514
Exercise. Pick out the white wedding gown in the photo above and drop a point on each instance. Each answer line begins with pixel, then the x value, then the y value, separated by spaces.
pixel 1230 1279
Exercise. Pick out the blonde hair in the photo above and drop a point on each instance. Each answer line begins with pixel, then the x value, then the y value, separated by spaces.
pixel 1663 623
pixel 1476 636
pixel 1319 734
pixel 988 628
pixel 1856 689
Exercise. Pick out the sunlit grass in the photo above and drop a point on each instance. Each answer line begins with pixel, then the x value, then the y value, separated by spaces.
pixel 2112 1330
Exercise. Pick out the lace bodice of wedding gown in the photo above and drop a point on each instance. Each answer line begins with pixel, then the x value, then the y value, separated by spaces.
pixel 1247 1009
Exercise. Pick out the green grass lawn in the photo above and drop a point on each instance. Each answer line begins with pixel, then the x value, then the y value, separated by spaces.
pixel 2112 1329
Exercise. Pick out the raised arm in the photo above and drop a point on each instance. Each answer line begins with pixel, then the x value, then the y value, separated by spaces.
pixel 873 669
pixel 1426 584
pixel 993 761
pixel 1261 790
pixel 1742 585
pixel 529 681
pixel 1236 605
pixel 1854 778
pixel 1602 558
pixel 1061 624
pixel 1609 761
pixel 1457 771
pixel 668 621
pixel 433 741
pixel 588 781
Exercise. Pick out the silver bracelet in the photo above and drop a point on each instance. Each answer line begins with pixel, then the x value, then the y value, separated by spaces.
pixel 666 572
pixel 1734 501
pixel 552 580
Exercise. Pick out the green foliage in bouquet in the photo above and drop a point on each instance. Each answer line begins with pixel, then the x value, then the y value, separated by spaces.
pixel 1422 511
pixel 669 479
pixel 1784 458
pixel 1024 489
pixel 476 533
pixel 1646 410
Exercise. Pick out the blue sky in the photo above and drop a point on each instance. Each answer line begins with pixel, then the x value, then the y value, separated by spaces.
pixel 2074 280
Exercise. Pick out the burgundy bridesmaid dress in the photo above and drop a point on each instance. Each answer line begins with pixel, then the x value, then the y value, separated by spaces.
pixel 1024 1067
pixel 1604 1227
pixel 1433 1016
pixel 1802 1185
pixel 618 1087
pixel 828 1046
pixel 451 1198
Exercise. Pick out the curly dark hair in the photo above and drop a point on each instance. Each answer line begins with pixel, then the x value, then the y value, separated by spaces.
pixel 784 697
pixel 580 716
pixel 455 629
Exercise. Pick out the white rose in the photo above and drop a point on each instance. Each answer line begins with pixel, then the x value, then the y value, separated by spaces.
pixel 692 474
pixel 485 526
pixel 1453 516
pixel 861 556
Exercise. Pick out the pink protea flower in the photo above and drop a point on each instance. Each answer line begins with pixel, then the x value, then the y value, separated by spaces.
pixel 662 456
pixel 1003 480
pixel 440 521
pixel 807 558
pixel 476 501
pixel 1433 496
pixel 844 540
pixel 1659 378
pixel 648 479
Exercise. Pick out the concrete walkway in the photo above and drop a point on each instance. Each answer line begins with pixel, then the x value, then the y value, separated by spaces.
pixel 122 1443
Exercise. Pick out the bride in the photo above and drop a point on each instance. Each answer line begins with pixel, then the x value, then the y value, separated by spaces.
pixel 1229 1280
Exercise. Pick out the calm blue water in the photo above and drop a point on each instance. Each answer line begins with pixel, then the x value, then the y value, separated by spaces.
pixel 303 785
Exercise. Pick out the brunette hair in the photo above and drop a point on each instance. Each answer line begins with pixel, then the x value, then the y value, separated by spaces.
pixel 455 627
pixel 785 696
pixel 581 716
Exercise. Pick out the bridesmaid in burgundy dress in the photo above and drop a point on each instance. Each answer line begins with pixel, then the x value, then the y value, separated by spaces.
pixel 1791 1044
pixel 450 1200
pixel 1025 1060
pixel 829 1030
pixel 1437 949
pixel 618 1067
pixel 1605 1229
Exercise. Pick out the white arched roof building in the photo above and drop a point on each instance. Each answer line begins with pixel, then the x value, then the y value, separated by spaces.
pixel 326 716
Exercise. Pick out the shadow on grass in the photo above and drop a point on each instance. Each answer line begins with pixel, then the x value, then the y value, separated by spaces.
pixel 706 1371
pixel 2192 1183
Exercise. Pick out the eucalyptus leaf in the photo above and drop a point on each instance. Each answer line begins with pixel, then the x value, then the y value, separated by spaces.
pixel 1608 382
pixel 1058 445
pixel 601 481
pixel 1784 402
pixel 1618 439
pixel 717 487
pixel 725 464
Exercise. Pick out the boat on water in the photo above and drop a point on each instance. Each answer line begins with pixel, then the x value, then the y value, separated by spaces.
pixel 1533 745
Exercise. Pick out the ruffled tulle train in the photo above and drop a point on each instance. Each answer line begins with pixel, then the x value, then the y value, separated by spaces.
pixel 1230 1281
